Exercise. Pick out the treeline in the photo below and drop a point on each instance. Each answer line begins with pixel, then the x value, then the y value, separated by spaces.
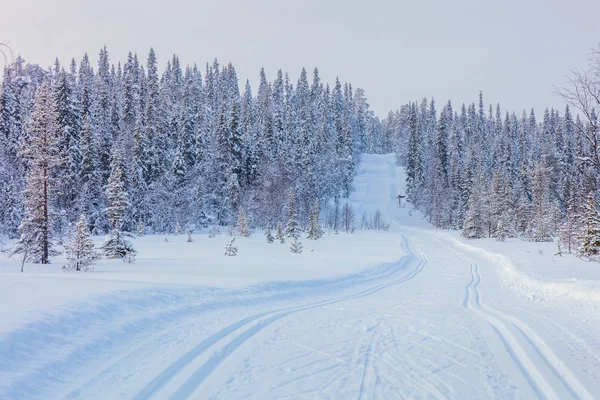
pixel 497 174
pixel 184 149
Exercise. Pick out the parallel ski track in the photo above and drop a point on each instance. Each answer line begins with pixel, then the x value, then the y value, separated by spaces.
pixel 180 319
pixel 257 323
pixel 508 328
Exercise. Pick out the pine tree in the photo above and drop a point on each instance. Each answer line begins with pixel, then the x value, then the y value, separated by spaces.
pixel 81 255
pixel 43 158
pixel 590 231
pixel 268 235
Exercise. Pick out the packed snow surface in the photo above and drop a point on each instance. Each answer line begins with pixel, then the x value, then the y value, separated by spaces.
pixel 409 313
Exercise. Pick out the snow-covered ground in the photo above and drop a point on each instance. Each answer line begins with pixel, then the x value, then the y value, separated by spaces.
pixel 410 313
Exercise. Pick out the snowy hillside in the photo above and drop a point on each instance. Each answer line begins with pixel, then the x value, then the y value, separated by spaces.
pixel 414 312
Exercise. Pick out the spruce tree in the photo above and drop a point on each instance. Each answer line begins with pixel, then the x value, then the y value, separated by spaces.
pixel 41 150
pixel 81 254
pixel 116 245
pixel 590 230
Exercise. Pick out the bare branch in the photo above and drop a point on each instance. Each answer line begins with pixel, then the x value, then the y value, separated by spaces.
pixel 7 53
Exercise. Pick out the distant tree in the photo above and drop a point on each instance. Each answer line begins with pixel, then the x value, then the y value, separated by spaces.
pixel 474 226
pixel 116 245
pixel 243 228
pixel 590 230
pixel 315 232
pixel 292 229
pixel 567 231
pixel 268 235
pixel 336 216
pixel 348 218
pixel 279 234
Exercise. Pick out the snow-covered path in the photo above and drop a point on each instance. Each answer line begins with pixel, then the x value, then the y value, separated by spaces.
pixel 437 323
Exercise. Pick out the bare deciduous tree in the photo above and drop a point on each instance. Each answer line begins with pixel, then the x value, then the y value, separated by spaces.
pixel 583 93
pixel 6 53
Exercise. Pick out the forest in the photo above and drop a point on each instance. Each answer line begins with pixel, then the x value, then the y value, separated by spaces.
pixel 135 151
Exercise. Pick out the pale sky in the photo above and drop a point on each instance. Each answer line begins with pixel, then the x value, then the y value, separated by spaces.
pixel 398 51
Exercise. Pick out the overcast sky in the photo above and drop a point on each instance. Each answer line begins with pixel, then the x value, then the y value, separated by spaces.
pixel 398 51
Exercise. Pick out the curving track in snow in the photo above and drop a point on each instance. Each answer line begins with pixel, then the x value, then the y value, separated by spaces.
pixel 436 324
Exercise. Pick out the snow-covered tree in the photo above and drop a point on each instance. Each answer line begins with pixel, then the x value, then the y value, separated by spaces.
pixel 279 235
pixel 268 235
pixel 42 153
pixel 292 229
pixel 567 232
pixel 243 228
pixel 315 232
pixel 193 150
pixel 116 244
pixel 589 235
pixel 81 253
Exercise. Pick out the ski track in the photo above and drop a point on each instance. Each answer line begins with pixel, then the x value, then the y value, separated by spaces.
pixel 509 328
pixel 222 353
pixel 107 328
pixel 365 376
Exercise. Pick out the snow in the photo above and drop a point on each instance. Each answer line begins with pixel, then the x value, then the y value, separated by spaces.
pixel 170 261
pixel 410 313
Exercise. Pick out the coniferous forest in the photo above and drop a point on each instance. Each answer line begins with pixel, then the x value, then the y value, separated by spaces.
pixel 137 151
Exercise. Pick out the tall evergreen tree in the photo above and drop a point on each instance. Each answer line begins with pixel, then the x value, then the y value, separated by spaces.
pixel 43 156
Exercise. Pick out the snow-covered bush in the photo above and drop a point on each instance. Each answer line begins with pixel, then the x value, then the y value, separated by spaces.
pixel 230 248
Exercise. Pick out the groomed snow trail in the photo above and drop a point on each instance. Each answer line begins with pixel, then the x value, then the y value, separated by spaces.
pixel 434 324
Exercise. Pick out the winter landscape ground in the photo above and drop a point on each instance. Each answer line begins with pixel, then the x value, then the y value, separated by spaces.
pixel 414 312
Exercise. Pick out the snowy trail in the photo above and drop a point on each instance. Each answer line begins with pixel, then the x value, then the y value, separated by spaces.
pixel 510 329
pixel 435 324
